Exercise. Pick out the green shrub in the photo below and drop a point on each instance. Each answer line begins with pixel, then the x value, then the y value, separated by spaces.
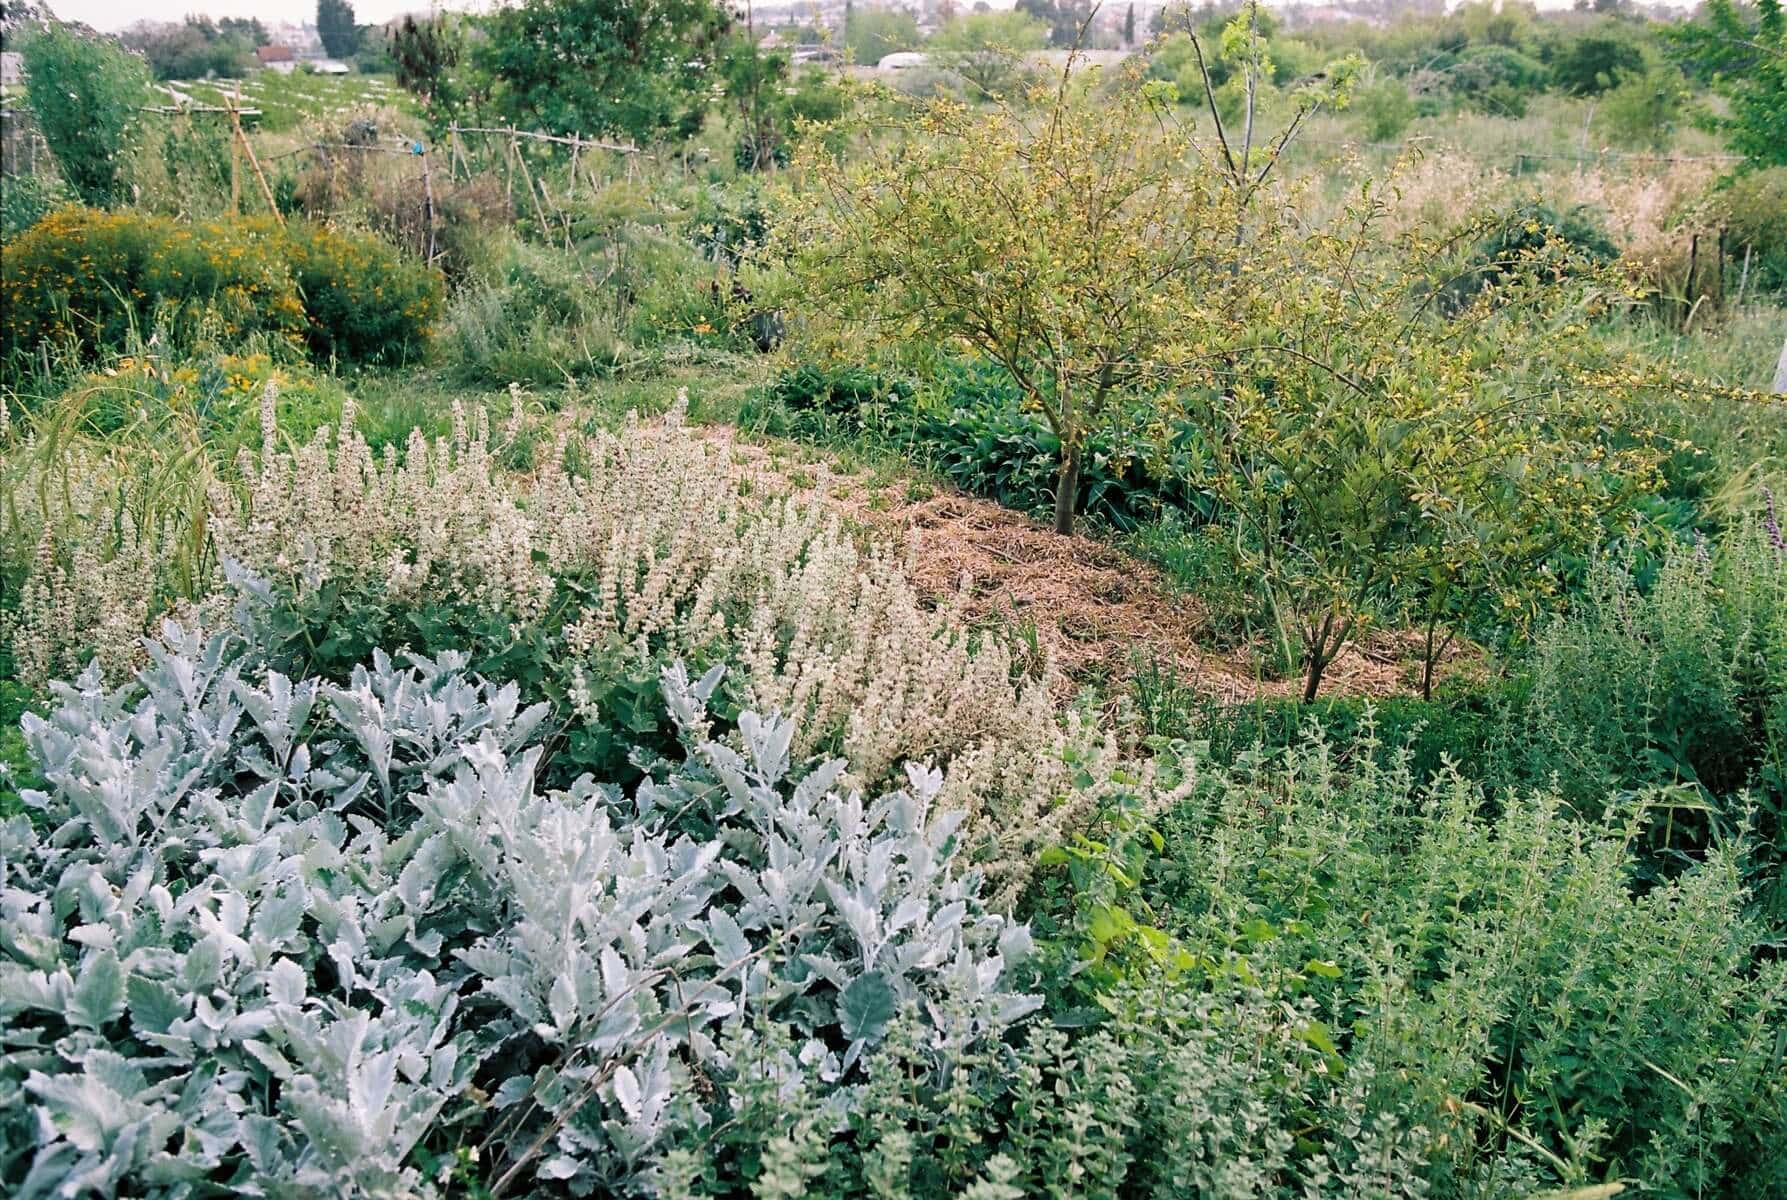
pixel 84 93
pixel 535 319
pixel 1383 110
pixel 1532 234
pixel 969 424
pixel 1682 687
pixel 1510 977
pixel 363 300
pixel 1642 110
pixel 94 280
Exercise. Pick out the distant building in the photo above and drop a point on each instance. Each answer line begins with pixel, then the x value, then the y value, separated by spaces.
pixel 276 57
pixel 328 66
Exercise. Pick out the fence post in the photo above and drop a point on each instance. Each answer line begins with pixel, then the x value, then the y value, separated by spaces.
pixel 1721 265
pixel 427 205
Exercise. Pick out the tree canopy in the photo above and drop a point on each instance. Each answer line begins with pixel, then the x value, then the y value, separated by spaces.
pixel 616 67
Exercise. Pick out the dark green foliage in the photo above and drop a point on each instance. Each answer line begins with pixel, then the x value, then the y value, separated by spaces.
pixel 1501 968
pixel 1678 690
pixel 871 34
pixel 424 55
pixel 1753 210
pixel 1458 727
pixel 335 26
pixel 771 100
pixel 1495 79
pixel 970 426
pixel 198 48
pixel 364 301
pixel 326 632
pixel 1531 234
pixel 16 770
pixel 1594 62
pixel 603 67
pixel 84 93
pixel 1179 1094
pixel 1741 51
pixel 1383 110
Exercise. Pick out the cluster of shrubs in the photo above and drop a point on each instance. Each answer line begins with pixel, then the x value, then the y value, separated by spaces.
pixel 95 280
pixel 333 935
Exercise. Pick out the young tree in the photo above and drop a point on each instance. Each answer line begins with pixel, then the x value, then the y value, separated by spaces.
pixel 1245 55
pixel 425 54
pixel 1066 20
pixel 1077 243
pixel 84 93
pixel 873 34
pixel 335 26
pixel 1381 458
pixel 618 67
pixel 1742 52
pixel 986 49
pixel 771 99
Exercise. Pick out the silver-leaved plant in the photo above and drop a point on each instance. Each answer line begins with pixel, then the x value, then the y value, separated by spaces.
pixel 283 937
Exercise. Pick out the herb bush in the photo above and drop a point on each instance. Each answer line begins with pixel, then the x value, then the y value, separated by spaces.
pixel 98 280
pixel 1510 976
pixel 364 301
pixel 1679 688
pixel 314 937
pixel 615 553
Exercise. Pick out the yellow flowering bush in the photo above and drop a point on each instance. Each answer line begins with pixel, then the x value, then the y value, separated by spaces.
pixel 91 279
pixel 363 301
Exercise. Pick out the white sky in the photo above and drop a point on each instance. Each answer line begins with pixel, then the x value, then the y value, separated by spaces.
pixel 116 14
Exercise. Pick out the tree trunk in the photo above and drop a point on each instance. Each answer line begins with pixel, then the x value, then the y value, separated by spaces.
pixel 1321 644
pixel 1067 489
pixel 1781 370
pixel 1312 677
pixel 1428 657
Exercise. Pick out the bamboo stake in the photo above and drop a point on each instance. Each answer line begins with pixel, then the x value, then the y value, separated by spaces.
pixel 528 178
pixel 266 189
